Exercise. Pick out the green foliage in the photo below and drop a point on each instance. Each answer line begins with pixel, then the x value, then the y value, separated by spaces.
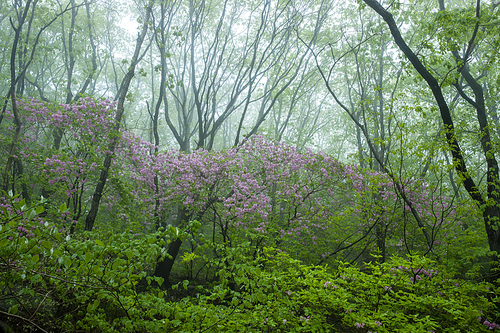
pixel 402 295
pixel 89 283
pixel 57 281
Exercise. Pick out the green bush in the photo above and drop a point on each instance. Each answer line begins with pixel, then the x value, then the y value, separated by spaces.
pixel 277 293
pixel 57 283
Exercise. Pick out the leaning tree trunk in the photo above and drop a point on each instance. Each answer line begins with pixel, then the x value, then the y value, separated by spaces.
pixel 490 204
pixel 96 198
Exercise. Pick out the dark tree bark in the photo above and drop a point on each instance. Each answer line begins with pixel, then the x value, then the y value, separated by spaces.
pixel 96 198
pixel 164 267
pixel 12 93
pixel 489 203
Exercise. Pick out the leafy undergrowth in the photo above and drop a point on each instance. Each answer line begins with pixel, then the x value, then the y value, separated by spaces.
pixel 51 282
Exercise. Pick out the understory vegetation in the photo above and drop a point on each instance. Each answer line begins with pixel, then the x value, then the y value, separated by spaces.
pixel 97 282
pixel 271 239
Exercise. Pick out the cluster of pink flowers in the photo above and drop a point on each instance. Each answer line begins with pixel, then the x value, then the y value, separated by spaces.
pixel 260 186
pixel 305 319
pixel 87 117
pixel 490 325
pixel 327 284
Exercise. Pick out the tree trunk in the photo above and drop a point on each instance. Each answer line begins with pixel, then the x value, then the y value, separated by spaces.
pixel 96 198
pixel 491 204
pixel 12 95
pixel 164 267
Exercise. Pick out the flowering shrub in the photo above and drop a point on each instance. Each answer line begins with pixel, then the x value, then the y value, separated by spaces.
pixel 67 172
pixel 305 203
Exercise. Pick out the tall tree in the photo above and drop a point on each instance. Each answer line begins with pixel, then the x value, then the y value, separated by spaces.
pixel 488 201
pixel 96 198
pixel 365 85
pixel 228 60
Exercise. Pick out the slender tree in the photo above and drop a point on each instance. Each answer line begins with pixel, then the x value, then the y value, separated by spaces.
pixel 489 201
pixel 96 198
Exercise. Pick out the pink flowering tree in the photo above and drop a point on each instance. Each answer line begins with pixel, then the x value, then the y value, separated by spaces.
pixel 304 203
pixel 68 174
pixel 263 192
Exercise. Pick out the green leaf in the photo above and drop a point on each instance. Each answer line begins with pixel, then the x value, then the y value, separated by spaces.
pixel 4 242
pixel 129 254
pixel 31 214
pixel 87 257
pixel 28 291
pixel 159 280
pixel 67 262
pixel 47 244
pixel 39 210
pixel 35 258
pixel 100 243
pixel 97 270
pixel 22 205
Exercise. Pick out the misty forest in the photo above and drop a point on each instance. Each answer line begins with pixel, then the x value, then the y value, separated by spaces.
pixel 249 166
